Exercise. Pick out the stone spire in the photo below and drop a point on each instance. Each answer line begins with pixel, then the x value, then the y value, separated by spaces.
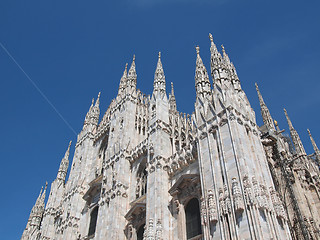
pixel 225 56
pixel 96 111
pixel 315 147
pixel 132 75
pixel 202 83
pixel 43 197
pixel 295 137
pixel 231 70
pixel 123 81
pixel 159 84
pixel 266 116
pixel 34 208
pixel 216 58
pixel 172 100
pixel 87 118
pixel 63 169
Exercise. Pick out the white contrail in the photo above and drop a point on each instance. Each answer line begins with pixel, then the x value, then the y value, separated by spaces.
pixel 38 89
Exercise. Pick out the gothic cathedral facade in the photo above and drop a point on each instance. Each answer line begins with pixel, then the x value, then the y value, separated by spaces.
pixel 149 172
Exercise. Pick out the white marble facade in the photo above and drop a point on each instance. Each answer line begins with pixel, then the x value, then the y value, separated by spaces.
pixel 147 171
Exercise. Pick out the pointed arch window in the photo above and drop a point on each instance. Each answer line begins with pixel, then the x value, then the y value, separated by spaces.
pixel 193 220
pixel 141 188
pixel 93 221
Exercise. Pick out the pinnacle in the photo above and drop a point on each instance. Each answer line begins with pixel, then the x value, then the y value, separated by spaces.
pixel 159 64
pixel 132 70
pixel 201 74
pixel 98 99
pixel 123 80
pixel 213 46
pixel 259 95
pixel 211 38
pixel 159 78
pixel 199 63
pixel 172 91
pixel 225 56
pixel 68 151
pixel 288 119
pixel 124 75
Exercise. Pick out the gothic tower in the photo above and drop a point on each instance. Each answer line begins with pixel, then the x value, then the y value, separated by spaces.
pixel 146 171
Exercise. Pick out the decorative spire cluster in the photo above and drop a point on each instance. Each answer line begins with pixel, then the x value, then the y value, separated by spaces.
pixel 202 83
pixel 221 67
pixel 63 169
pixel 295 137
pixel 159 84
pixel 266 116
pixel 315 147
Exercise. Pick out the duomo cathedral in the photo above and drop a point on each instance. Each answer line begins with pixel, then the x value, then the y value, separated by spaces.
pixel 146 171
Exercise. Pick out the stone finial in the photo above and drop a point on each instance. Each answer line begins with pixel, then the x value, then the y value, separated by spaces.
pixel 198 50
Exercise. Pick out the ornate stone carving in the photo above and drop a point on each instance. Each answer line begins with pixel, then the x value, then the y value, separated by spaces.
pixel 237 196
pixel 159 230
pixel 203 211
pixel 213 215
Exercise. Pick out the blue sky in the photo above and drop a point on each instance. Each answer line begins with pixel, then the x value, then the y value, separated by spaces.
pixel 74 49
